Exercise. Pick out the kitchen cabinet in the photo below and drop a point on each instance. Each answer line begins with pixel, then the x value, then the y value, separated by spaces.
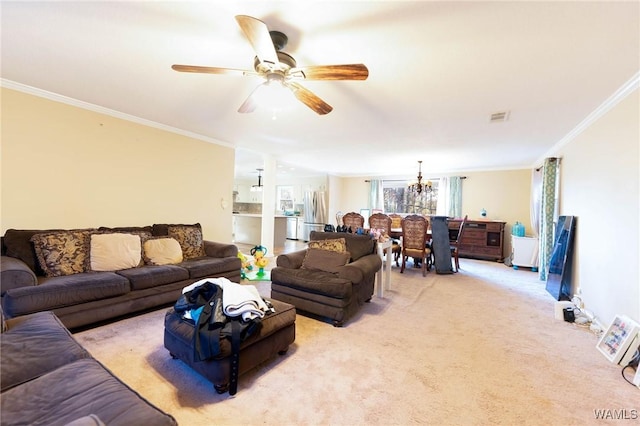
pixel 481 239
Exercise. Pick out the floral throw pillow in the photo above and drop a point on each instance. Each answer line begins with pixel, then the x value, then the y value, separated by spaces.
pixel 63 252
pixel 338 245
pixel 190 239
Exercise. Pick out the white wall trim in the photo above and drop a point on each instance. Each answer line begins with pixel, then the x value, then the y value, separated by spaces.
pixel 625 90
pixel 9 84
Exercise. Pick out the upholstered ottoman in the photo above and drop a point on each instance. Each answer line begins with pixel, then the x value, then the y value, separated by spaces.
pixel 276 333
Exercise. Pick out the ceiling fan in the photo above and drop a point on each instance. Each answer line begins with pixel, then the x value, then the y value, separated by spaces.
pixel 280 68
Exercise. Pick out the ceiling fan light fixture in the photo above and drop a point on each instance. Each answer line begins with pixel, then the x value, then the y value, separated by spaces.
pixel 273 94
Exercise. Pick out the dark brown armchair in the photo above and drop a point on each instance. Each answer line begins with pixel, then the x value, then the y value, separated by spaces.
pixel 320 282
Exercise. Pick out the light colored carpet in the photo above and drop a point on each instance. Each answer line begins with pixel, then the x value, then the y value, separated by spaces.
pixel 480 347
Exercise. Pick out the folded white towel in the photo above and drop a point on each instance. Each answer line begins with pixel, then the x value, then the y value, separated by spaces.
pixel 237 299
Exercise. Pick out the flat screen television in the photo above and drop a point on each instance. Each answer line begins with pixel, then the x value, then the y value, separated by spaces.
pixel 561 262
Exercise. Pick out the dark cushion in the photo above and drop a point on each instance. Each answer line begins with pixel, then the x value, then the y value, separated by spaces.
pixel 153 275
pixel 162 229
pixel 325 260
pixel 202 267
pixel 317 282
pixel 34 345
pixel 18 244
pixel 79 389
pixel 68 290
pixel 128 229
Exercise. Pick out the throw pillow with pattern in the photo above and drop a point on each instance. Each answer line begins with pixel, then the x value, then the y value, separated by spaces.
pixel 63 252
pixel 338 245
pixel 190 239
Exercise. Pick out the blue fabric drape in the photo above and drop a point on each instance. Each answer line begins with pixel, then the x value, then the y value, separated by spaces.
pixel 455 196
pixel 548 213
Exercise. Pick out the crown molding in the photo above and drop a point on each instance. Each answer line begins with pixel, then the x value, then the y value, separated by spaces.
pixel 9 84
pixel 625 90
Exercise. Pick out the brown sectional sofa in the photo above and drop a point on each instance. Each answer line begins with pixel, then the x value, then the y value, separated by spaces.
pixel 87 297
pixel 47 378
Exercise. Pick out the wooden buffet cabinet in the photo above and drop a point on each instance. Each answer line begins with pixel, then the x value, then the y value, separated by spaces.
pixel 481 239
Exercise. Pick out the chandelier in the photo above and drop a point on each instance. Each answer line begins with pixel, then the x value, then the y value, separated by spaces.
pixel 418 186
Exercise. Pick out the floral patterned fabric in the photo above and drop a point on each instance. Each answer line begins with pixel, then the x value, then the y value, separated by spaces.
pixel 338 245
pixel 63 252
pixel 190 239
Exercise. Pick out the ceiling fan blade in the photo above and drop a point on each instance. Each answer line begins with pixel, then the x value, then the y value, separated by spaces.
pixel 250 104
pixel 332 72
pixel 258 34
pixel 210 70
pixel 309 99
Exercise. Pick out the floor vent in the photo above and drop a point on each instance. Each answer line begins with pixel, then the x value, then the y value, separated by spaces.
pixel 499 116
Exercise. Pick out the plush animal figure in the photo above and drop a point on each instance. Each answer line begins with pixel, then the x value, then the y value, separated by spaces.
pixel 258 253
pixel 245 264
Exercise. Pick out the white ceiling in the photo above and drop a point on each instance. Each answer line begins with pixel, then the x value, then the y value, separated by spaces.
pixel 437 71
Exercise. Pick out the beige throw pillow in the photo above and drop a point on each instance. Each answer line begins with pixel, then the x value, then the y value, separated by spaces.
pixel 162 251
pixel 114 252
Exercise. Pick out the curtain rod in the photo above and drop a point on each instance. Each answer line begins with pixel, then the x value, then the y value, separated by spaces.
pixel 559 159
pixel 405 180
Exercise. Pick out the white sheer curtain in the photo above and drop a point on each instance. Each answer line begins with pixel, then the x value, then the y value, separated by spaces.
pixel 442 207
pixel 449 197
pixel 536 200
pixel 376 195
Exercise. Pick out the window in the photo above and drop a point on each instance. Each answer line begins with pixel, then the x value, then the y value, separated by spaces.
pixel 398 198
pixel 285 198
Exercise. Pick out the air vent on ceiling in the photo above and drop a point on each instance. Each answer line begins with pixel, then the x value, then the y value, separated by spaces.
pixel 497 117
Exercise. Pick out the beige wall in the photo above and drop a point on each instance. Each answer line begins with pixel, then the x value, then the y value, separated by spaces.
pixel 600 184
pixel 67 167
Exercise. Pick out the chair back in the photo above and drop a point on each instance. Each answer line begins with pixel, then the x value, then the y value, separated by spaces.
pixel 380 221
pixel 459 237
pixel 396 220
pixel 414 235
pixel 353 220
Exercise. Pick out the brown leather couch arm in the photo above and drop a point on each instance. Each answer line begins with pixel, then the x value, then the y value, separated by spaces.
pixel 291 260
pixel 366 266
pixel 214 249
pixel 15 273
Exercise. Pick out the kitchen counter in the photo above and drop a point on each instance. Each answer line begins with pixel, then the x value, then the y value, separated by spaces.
pixel 247 228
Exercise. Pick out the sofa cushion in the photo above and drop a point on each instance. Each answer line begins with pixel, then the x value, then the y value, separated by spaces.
pixel 162 251
pixel 62 252
pixel 75 390
pixel 154 275
pixel 57 292
pixel 34 345
pixel 115 251
pixel 333 244
pixel 202 267
pixel 19 245
pixel 190 239
pixel 315 282
pixel 325 260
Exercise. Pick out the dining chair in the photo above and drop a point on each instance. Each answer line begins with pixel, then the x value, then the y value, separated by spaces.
pixel 414 242
pixel 456 244
pixel 380 221
pixel 353 220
